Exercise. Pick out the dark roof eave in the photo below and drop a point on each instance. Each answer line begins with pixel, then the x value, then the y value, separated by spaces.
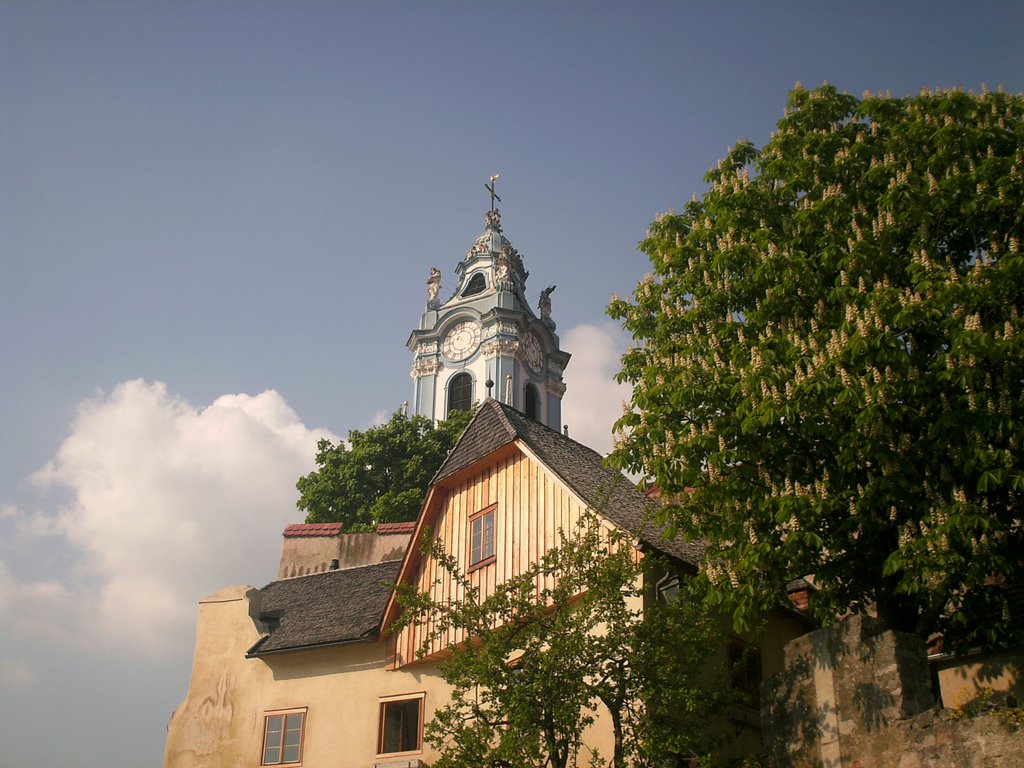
pixel 647 545
pixel 253 653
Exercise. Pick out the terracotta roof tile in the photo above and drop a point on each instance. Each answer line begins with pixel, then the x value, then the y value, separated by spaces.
pixel 312 529
pixel 386 528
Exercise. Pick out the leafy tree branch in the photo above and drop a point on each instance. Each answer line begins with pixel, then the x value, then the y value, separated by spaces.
pixel 572 638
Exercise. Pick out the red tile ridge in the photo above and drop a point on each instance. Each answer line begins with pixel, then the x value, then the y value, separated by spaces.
pixel 312 529
pixel 386 528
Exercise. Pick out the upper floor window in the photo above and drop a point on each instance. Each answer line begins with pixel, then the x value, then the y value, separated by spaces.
pixel 460 392
pixel 745 672
pixel 481 537
pixel 401 724
pixel 531 402
pixel 476 285
pixel 282 737
pixel 668 588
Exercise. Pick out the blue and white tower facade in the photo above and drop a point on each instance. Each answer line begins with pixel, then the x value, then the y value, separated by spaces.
pixel 485 339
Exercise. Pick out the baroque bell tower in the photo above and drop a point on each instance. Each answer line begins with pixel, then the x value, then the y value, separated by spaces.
pixel 484 339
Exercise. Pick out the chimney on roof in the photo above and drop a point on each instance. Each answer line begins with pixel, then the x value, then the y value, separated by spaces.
pixel 565 430
pixel 508 389
pixel 335 564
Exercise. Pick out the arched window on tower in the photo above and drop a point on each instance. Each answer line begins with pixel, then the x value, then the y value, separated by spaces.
pixel 476 285
pixel 460 392
pixel 531 402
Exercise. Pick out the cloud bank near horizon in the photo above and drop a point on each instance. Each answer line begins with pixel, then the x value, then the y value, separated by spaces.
pixel 154 502
pixel 165 502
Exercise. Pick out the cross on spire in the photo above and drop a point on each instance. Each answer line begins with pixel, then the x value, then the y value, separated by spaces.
pixel 490 188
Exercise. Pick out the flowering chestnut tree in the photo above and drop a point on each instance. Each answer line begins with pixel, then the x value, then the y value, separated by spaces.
pixel 828 362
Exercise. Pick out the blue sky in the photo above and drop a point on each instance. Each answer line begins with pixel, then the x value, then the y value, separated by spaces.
pixel 216 220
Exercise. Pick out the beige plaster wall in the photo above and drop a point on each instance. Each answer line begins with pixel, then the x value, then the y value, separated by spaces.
pixel 220 723
pixel 962 679
pixel 302 555
pixel 741 725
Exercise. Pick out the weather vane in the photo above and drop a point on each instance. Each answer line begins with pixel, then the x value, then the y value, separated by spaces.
pixel 490 188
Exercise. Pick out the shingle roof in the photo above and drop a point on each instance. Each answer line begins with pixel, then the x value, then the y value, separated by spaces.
pixel 607 491
pixel 326 608
pixel 487 432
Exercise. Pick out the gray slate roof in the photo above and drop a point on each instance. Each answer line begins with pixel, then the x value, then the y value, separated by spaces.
pixel 328 608
pixel 607 491
pixel 489 430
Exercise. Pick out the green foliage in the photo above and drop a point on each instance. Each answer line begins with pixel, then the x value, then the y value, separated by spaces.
pixel 380 475
pixel 829 358
pixel 542 662
pixel 987 702
pixel 972 706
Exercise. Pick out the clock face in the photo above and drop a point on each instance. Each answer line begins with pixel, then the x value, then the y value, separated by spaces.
pixel 462 340
pixel 531 352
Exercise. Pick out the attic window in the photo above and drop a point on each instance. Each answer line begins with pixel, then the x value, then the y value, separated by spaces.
pixel 481 537
pixel 476 285
pixel 272 619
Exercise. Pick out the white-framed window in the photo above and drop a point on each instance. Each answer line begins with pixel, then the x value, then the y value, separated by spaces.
pixel 283 734
pixel 481 537
pixel 401 724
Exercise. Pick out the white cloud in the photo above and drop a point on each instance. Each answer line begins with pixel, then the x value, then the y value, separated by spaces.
pixel 383 416
pixel 593 399
pixel 168 503
pixel 35 609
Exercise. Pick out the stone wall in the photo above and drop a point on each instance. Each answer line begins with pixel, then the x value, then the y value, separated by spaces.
pixel 857 696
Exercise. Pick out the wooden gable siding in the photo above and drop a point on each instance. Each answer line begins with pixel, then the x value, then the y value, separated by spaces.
pixel 532 507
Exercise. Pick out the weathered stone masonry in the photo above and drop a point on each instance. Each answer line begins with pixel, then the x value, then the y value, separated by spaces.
pixel 859 696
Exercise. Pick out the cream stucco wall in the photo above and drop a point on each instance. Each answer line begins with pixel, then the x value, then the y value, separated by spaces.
pixel 220 723
pixel 963 678
pixel 302 555
pixel 741 725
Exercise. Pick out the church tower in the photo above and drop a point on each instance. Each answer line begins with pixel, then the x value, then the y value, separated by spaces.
pixel 486 336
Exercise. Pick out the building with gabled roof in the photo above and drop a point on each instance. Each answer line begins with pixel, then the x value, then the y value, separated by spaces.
pixel 305 668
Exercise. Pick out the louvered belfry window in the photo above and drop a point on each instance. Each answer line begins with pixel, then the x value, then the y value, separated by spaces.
pixel 460 392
